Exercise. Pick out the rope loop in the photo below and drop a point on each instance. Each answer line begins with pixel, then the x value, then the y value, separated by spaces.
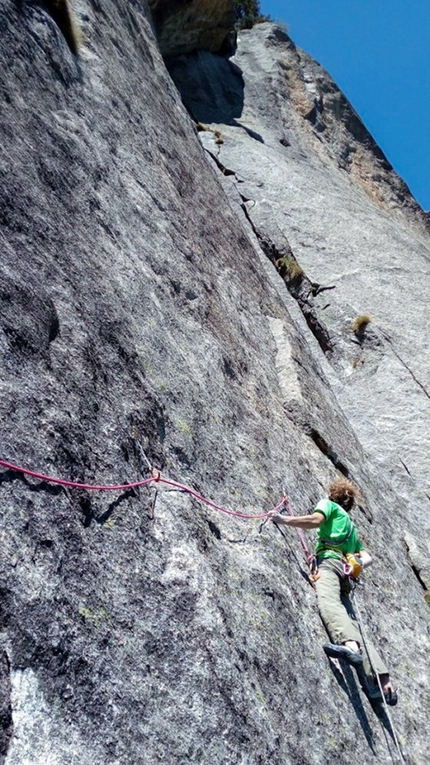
pixel 155 477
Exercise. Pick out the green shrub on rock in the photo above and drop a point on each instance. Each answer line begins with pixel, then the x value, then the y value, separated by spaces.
pixel 360 323
pixel 247 13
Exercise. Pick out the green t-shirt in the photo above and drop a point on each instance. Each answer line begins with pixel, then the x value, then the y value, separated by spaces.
pixel 337 534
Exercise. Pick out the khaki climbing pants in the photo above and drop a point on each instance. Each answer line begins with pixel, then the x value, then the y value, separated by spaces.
pixel 337 612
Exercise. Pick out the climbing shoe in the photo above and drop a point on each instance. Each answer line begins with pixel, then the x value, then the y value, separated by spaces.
pixel 390 697
pixel 342 652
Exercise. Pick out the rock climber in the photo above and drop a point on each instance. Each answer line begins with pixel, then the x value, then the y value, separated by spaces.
pixel 340 555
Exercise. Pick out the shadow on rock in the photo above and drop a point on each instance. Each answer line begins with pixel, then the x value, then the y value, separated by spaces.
pixel 103 517
pixel 211 86
pixel 348 683
pixel 10 475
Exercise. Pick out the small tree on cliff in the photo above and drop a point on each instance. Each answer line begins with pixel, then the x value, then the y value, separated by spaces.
pixel 248 13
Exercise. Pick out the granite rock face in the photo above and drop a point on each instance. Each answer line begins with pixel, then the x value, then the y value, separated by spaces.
pixel 299 149
pixel 151 297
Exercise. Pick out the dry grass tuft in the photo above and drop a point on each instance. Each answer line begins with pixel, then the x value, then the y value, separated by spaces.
pixel 218 137
pixel 295 271
pixel 288 266
pixel 65 18
pixel 360 323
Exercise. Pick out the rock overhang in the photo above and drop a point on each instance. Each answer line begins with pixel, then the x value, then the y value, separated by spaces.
pixel 184 26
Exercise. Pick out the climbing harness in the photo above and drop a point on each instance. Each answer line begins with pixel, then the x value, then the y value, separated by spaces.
pixel 352 566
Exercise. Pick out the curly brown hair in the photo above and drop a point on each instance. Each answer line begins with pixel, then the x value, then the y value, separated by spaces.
pixel 344 492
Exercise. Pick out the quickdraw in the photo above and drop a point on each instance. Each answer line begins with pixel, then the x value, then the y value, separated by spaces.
pixel 314 573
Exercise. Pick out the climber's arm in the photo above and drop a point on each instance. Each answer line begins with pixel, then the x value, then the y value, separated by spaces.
pixel 307 522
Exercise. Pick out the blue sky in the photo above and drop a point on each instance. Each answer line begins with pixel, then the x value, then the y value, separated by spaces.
pixel 378 53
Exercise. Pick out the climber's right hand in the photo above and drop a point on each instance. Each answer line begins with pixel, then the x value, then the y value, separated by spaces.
pixel 276 517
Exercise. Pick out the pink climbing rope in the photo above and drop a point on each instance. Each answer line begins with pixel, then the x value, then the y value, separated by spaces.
pixel 309 557
pixel 156 477
pixel 235 513
pixel 74 484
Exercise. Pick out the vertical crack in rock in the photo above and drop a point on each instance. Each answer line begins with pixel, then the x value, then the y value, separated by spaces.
pixel 6 723
pixel 406 467
pixel 405 365
pixel 294 399
pixel 419 563
pixel 276 247
pixel 224 170
pixel 325 449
